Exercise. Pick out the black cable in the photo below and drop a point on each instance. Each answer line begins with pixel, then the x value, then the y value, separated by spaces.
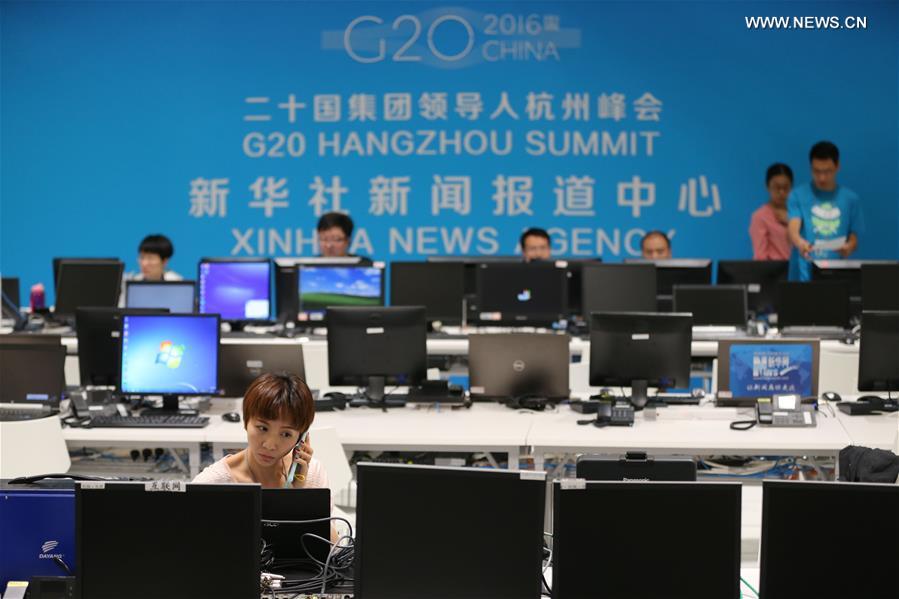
pixel 742 425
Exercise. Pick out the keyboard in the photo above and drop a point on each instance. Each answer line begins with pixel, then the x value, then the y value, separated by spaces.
pixel 676 399
pixel 152 421
pixel 12 414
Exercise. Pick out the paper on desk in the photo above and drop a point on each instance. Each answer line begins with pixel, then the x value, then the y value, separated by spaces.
pixel 829 244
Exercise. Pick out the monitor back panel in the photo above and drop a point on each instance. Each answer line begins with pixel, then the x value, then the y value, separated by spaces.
pixel 516 364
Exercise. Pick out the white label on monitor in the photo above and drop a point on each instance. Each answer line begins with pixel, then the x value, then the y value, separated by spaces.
pixel 256 309
pixel 477 390
pixel 807 416
pixel 254 363
pixel 94 485
pixel 374 330
pixel 379 264
pixel 37 397
pixel 753 288
pixel 165 486
pixel 724 394
pixel 317 316
pixel 491 315
pixel 573 484
pixel 115 334
pixel 531 475
pixel 640 337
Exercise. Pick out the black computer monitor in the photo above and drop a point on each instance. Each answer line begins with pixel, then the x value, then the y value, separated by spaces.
pixel 534 294
pixel 793 539
pixel 639 349
pixel 170 355
pixel 849 271
pixel 205 537
pixel 878 358
pixel 238 289
pixel 428 545
pixel 438 286
pixel 813 303
pixel 87 283
pixel 678 271
pixel 30 339
pixel 711 305
pixel 32 373
pixel 242 361
pixel 506 366
pixel 760 278
pixel 574 268
pixel 176 296
pixel 374 347
pixel 58 260
pixel 10 287
pixel 325 286
pixel 288 515
pixel 618 288
pixel 880 286
pixel 98 332
pixel 608 543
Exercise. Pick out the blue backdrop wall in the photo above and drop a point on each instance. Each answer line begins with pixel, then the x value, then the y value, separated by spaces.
pixel 441 128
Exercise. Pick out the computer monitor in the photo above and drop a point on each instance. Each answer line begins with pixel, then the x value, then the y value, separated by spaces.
pixel 678 271
pixel 374 347
pixel 237 289
pixel 170 355
pixel 58 260
pixel 880 286
pixel 849 271
pixel 322 287
pixel 618 288
pixel 813 303
pixel 636 466
pixel 534 294
pixel 878 358
pixel 32 374
pixel 793 539
pixel 713 305
pixel 176 296
pixel 640 349
pixel 760 278
pixel 433 544
pixel 574 268
pixel 87 283
pixel 30 339
pixel 98 331
pixel 242 362
pixel 10 287
pixel 509 365
pixel 206 538
pixel 288 515
pixel 753 368
pixel 438 286
pixel 38 524
pixel 608 543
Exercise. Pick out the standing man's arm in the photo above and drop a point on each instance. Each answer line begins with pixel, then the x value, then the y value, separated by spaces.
pixel 796 239
pixel 856 226
pixel 851 244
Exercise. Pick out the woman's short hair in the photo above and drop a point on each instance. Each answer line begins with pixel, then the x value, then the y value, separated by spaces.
pixel 279 396
pixel 157 244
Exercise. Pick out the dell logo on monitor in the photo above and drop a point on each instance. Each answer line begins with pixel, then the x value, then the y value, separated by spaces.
pixel 518 365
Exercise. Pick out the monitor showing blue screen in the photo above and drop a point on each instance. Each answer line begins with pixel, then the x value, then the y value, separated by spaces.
pixel 760 370
pixel 177 296
pixel 238 290
pixel 170 354
pixel 323 286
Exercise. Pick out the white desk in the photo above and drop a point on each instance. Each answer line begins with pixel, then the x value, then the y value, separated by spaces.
pixel 685 430
pixel 186 438
pixel 485 427
pixel 878 431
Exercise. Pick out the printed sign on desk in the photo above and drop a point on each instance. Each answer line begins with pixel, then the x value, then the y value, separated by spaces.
pixel 762 370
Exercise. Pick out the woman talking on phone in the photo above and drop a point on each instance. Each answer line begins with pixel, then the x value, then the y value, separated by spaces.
pixel 278 410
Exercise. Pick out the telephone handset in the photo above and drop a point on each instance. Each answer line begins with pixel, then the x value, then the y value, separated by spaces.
pixel 783 410
pixel 293 465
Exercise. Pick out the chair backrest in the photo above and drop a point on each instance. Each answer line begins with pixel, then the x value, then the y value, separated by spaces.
pixel 46 451
pixel 329 451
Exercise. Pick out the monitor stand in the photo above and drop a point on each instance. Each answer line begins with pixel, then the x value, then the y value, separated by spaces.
pixel 169 408
pixel 639 394
pixel 373 395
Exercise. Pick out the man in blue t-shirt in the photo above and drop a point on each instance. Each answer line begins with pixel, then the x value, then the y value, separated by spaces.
pixel 825 217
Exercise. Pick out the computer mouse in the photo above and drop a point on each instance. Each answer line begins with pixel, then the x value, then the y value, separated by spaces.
pixel 231 416
pixel 831 396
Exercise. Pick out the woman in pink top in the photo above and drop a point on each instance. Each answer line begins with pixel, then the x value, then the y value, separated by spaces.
pixel 768 227
pixel 277 410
